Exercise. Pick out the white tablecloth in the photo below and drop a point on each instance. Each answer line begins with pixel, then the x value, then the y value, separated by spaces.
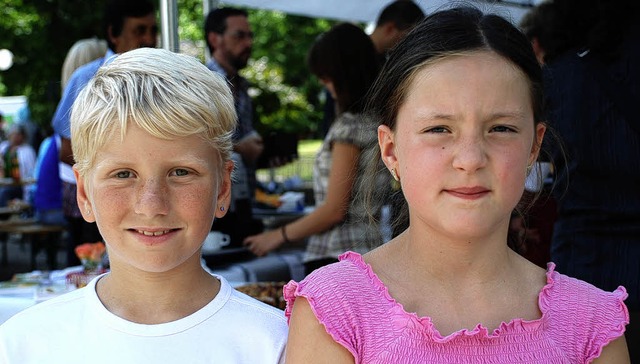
pixel 280 266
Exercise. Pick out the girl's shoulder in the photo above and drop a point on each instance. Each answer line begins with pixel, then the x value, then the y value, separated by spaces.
pixel 351 282
pixel 562 291
pixel 350 271
pixel 579 313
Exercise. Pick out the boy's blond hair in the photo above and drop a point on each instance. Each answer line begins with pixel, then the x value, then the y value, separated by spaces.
pixel 167 94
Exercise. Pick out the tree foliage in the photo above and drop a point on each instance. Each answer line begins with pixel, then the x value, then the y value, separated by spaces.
pixel 39 33
pixel 285 95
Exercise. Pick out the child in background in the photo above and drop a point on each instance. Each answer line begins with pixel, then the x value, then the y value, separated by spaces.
pixel 151 134
pixel 459 103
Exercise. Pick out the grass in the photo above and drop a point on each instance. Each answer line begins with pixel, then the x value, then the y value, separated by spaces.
pixel 309 148
pixel 301 167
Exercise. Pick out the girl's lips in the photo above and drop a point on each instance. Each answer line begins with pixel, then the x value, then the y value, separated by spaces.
pixel 468 193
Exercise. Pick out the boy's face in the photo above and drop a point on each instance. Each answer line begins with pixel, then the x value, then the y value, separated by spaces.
pixel 153 199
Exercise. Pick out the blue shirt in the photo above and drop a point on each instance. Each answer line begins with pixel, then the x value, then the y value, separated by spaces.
pixel 79 79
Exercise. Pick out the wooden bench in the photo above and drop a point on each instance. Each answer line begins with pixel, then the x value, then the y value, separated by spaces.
pixel 39 236
pixel 5 224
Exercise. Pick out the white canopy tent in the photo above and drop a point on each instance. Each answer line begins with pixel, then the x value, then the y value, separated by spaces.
pixel 347 10
pixel 367 10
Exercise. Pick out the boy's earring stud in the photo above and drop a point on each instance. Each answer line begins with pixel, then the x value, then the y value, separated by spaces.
pixel 221 208
pixel 395 174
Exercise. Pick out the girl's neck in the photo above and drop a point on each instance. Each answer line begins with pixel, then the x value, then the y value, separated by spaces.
pixel 451 258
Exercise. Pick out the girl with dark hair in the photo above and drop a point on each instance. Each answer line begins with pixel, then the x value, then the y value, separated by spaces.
pixel 344 60
pixel 459 104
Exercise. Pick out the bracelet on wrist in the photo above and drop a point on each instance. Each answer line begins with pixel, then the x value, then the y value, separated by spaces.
pixel 284 234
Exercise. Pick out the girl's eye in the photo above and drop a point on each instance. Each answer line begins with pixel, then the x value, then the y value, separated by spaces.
pixel 503 129
pixel 123 174
pixel 181 172
pixel 437 130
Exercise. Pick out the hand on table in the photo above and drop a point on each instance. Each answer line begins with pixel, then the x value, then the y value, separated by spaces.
pixel 262 244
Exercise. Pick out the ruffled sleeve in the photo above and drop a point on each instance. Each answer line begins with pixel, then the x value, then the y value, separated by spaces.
pixel 608 322
pixel 324 289
pixel 585 318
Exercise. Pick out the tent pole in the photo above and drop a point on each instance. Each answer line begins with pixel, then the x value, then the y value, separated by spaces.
pixel 169 25
pixel 207 6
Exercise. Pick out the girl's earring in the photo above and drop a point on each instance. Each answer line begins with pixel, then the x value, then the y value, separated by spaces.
pixel 221 208
pixel 395 174
pixel 529 168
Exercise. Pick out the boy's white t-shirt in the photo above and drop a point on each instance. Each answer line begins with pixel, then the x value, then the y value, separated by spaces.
pixel 77 328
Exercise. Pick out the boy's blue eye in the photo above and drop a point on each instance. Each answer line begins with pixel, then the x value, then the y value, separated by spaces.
pixel 181 172
pixel 123 174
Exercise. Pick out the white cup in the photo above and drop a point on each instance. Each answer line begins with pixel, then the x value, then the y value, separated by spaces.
pixel 214 241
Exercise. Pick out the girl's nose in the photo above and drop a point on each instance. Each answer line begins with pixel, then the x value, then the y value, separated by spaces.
pixel 470 154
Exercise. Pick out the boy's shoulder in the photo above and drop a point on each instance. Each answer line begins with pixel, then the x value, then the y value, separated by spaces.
pixel 54 313
pixel 240 308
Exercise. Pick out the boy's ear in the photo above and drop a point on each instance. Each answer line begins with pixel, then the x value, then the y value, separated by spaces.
pixel 82 196
pixel 224 192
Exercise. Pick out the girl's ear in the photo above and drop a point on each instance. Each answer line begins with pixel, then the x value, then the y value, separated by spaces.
pixel 82 196
pixel 541 128
pixel 386 142
pixel 224 192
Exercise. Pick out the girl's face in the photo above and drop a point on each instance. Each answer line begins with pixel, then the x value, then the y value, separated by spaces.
pixel 462 143
pixel 154 200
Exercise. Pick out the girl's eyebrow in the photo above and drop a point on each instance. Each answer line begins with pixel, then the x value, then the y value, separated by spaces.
pixel 435 115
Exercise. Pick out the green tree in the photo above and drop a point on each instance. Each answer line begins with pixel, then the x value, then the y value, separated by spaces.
pixel 39 33
pixel 288 94
pixel 285 95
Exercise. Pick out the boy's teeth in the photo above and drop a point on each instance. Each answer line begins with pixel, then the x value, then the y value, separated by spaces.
pixel 152 233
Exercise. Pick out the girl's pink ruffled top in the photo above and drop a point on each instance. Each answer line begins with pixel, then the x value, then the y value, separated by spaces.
pixel 355 307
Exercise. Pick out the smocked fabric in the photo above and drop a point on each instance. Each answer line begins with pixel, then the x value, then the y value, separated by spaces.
pixel 355 307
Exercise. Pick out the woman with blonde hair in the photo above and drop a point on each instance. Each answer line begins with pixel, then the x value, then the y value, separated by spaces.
pixel 81 53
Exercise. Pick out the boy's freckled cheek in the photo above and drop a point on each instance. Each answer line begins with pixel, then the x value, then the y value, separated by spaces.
pixel 199 195
pixel 113 197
